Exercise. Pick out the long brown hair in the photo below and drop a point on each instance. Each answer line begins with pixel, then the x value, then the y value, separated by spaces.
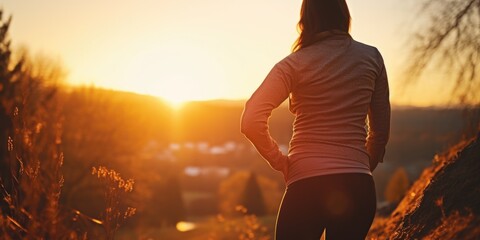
pixel 319 16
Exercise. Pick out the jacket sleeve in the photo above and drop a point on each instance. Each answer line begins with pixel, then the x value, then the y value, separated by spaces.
pixel 254 124
pixel 379 116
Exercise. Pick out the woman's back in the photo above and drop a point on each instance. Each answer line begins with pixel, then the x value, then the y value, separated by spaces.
pixel 333 82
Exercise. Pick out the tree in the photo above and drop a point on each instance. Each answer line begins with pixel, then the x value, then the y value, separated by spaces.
pixel 174 208
pixel 233 189
pixel 7 99
pixel 397 186
pixel 31 177
pixel 450 42
pixel 253 199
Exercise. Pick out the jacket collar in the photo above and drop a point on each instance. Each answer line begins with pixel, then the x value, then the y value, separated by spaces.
pixel 334 34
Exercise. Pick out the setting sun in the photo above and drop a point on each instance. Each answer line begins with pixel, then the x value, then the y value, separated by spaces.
pixel 175 71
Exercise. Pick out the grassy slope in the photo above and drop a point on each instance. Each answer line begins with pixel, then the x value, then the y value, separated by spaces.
pixel 443 203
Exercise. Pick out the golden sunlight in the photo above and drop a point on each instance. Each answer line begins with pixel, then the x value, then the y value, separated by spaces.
pixel 176 72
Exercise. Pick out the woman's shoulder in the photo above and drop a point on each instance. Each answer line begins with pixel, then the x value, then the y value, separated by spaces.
pixel 369 52
pixel 288 62
pixel 365 47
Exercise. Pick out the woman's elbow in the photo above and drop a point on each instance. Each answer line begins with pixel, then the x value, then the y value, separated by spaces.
pixel 249 126
pixel 246 126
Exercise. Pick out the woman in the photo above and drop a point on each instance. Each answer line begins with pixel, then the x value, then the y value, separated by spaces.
pixel 334 84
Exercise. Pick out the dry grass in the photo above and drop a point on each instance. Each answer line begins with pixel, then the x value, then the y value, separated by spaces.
pixel 115 189
pixel 248 227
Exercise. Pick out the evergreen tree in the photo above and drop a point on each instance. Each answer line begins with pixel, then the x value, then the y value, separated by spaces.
pixel 30 142
pixel 174 207
pixel 253 199
pixel 8 84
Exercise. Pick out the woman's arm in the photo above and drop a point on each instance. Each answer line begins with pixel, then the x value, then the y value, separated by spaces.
pixel 272 92
pixel 378 118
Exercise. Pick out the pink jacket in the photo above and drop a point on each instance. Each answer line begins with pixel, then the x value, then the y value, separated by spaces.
pixel 333 86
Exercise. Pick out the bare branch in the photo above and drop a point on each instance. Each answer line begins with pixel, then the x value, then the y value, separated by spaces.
pixel 450 42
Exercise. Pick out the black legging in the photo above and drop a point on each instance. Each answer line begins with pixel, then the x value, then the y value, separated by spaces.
pixel 343 204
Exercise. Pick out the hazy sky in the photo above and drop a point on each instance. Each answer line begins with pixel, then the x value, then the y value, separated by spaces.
pixel 193 49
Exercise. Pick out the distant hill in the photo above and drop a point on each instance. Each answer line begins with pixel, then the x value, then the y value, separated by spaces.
pixel 127 122
pixel 416 133
pixel 443 203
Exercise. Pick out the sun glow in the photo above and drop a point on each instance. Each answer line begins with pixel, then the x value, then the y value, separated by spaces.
pixel 176 104
pixel 176 72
